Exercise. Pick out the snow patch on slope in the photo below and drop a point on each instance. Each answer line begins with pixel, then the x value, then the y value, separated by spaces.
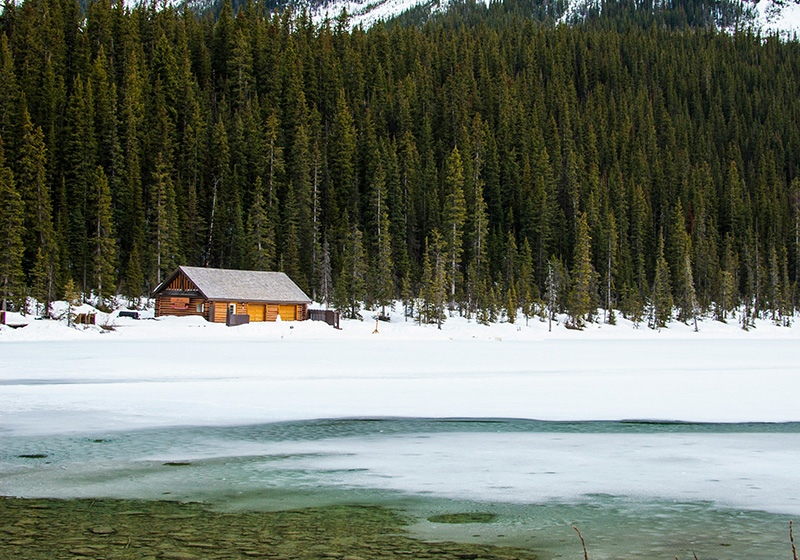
pixel 363 12
pixel 782 18
pixel 769 16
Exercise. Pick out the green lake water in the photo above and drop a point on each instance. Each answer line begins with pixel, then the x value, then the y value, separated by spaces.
pixel 391 488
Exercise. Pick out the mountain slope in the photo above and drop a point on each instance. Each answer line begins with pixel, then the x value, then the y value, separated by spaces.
pixel 765 16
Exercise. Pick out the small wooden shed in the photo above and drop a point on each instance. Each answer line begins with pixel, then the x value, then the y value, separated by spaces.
pixel 216 293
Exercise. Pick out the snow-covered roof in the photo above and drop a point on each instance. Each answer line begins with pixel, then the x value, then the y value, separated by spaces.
pixel 241 285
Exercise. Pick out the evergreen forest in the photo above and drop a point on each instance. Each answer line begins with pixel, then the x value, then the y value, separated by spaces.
pixel 492 166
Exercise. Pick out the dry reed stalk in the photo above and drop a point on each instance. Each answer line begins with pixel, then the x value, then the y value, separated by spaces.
pixel 791 538
pixel 583 543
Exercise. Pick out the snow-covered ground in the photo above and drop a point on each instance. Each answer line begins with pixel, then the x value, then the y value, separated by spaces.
pixel 93 412
pixel 184 371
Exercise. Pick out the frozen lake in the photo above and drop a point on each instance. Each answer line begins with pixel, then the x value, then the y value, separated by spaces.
pixel 653 490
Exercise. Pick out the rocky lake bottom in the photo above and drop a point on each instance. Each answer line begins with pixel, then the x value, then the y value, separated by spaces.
pixel 47 529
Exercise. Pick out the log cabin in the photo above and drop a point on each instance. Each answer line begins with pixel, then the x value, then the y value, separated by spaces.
pixel 217 293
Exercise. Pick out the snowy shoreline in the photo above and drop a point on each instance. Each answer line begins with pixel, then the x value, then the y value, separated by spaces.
pixel 185 371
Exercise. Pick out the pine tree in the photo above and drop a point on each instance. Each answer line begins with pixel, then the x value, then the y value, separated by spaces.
pixel 40 284
pixel 105 252
pixel 326 274
pixel 492 306
pixel 682 275
pixel 80 160
pixel 130 215
pixel 434 289
pixel 351 284
pixel 40 250
pixel 661 300
pixel 407 297
pixel 12 209
pixel 260 232
pixel 453 218
pixel 511 304
pixel 290 259
pixel 553 287
pixel 72 298
pixel 381 287
pixel 611 263
pixel 580 300
pixel 477 218
pixel 164 223
pixel 341 162
pixel 133 285
pixel 382 282
pixel 9 97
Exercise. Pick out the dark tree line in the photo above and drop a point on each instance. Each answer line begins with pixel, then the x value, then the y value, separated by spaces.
pixel 489 168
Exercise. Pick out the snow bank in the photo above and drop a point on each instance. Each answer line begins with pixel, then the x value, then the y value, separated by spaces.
pixel 185 371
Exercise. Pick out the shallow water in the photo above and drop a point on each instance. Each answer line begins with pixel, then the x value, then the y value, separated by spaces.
pixel 636 490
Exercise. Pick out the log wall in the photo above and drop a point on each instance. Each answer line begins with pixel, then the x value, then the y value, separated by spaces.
pixel 180 306
pixel 217 311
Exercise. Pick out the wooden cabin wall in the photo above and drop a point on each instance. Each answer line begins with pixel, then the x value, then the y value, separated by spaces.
pixel 217 311
pixel 175 306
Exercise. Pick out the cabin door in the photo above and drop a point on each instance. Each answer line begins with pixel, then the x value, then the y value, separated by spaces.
pixel 256 312
pixel 288 312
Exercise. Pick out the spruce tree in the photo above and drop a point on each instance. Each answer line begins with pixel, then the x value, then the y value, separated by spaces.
pixel 511 304
pixel 682 275
pixel 580 299
pixel 351 285
pixel 407 297
pixel 382 280
pixel 133 284
pixel 164 234
pixel 326 274
pixel 453 217
pixel 661 302
pixel 9 97
pixel 434 289
pixel 260 232
pixel 381 287
pixel 105 251
pixel 12 208
pixel 343 195
pixel 553 286
pixel 73 299
pixel 40 250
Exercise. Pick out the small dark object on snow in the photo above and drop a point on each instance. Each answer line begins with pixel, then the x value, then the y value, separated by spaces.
pixel 33 456
pixel 129 314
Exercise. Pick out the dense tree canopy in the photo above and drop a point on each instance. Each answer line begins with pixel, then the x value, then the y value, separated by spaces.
pixel 503 164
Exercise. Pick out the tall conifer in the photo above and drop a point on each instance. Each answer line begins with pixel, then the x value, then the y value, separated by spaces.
pixel 12 281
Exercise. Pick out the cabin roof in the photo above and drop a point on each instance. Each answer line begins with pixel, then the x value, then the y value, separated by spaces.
pixel 241 285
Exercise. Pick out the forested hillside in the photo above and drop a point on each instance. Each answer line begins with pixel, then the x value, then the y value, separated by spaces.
pixel 489 167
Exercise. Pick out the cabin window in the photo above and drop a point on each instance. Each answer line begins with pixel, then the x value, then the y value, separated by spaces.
pixel 201 307
pixel 232 308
